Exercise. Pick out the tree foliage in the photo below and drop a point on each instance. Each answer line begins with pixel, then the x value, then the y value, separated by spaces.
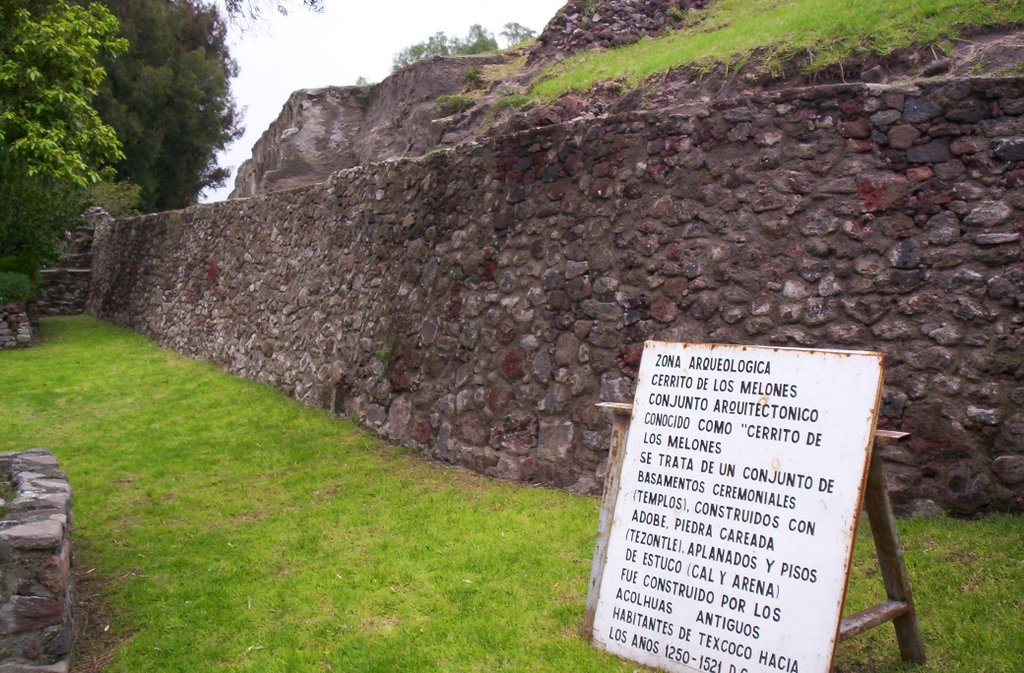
pixel 251 10
pixel 35 211
pixel 52 141
pixel 49 73
pixel 169 98
pixel 120 199
pixel 516 33
pixel 477 41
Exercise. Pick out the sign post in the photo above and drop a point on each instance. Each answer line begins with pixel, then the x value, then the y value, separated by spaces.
pixel 727 528
pixel 899 608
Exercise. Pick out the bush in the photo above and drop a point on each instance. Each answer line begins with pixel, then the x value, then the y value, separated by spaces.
pixel 120 199
pixel 35 213
pixel 449 105
pixel 14 287
pixel 511 100
pixel 473 79
pixel 477 41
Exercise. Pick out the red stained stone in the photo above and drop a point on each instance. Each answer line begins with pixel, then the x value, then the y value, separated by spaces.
pixel 32 613
pixel 902 137
pixel 883 192
pixel 664 309
pixel 851 107
pixel 919 174
pixel 53 574
pixel 859 128
pixel 631 355
pixel 512 364
pixel 498 399
pixel 489 267
pixel 897 225
pixel 571 164
pixel 399 379
pixel 859 145
pixel 455 303
pixel 422 432
pixel 1014 179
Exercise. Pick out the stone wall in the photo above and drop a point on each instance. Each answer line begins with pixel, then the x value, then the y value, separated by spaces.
pixel 35 560
pixel 15 330
pixel 476 303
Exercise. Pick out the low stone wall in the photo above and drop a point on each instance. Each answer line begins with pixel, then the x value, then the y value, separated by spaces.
pixel 477 303
pixel 66 291
pixel 15 330
pixel 35 565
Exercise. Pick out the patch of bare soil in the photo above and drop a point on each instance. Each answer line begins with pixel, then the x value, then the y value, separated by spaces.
pixel 999 54
pixel 94 639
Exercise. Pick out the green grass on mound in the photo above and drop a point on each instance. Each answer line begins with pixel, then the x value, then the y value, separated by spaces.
pixel 239 532
pixel 731 31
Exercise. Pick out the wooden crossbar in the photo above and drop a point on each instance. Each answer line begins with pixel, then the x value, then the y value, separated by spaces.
pixel 876 615
pixel 899 609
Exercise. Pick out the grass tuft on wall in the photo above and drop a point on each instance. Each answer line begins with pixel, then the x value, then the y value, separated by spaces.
pixel 730 32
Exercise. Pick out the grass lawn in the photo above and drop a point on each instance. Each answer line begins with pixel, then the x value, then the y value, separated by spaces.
pixel 827 31
pixel 238 531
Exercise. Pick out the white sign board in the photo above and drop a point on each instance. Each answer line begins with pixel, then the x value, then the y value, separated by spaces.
pixel 737 504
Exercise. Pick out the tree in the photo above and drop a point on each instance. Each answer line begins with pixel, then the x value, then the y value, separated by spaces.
pixel 437 44
pixel 49 73
pixel 52 141
pixel 169 99
pixel 516 33
pixel 251 10
pixel 477 41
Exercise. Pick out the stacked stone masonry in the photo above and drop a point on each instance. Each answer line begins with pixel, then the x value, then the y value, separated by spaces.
pixel 477 303
pixel 15 330
pixel 590 24
pixel 66 286
pixel 35 558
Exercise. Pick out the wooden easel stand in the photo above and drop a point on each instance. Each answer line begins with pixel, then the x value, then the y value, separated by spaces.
pixel 898 609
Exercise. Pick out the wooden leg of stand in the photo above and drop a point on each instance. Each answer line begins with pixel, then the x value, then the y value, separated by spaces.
pixel 620 427
pixel 890 559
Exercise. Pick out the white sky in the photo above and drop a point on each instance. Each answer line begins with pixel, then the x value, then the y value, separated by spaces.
pixel 351 38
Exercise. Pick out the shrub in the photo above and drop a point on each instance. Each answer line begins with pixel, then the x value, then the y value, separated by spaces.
pixel 511 100
pixel 120 199
pixel 452 104
pixel 14 287
pixel 473 79
pixel 35 213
